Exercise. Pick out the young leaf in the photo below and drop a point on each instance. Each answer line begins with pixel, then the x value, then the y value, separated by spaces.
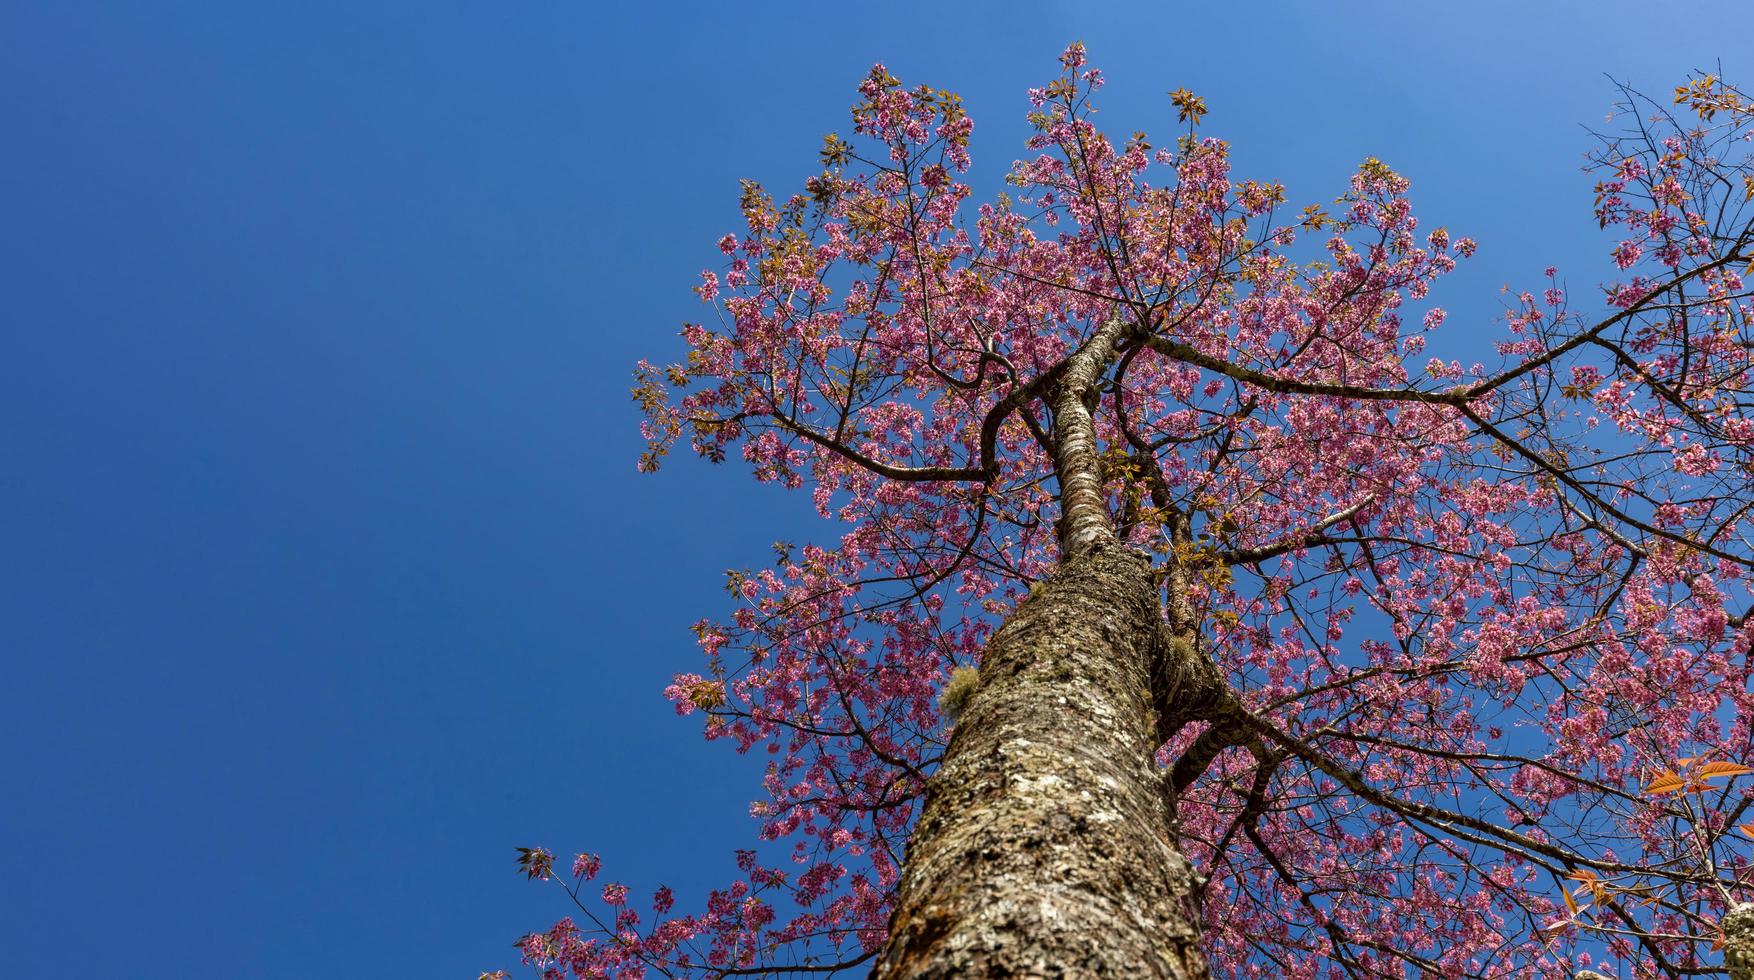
pixel 1666 782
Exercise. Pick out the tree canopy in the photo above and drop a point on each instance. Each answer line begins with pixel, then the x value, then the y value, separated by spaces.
pixel 1480 631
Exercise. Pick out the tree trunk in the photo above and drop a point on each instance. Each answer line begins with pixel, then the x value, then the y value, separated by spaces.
pixel 1738 928
pixel 1045 847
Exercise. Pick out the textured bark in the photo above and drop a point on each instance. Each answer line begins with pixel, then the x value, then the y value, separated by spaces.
pixel 1044 849
pixel 1084 519
pixel 1738 928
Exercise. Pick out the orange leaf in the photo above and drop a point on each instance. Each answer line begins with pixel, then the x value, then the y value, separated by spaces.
pixel 1666 782
pixel 1723 769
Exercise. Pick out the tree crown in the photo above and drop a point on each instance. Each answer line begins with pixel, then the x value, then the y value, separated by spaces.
pixel 1484 627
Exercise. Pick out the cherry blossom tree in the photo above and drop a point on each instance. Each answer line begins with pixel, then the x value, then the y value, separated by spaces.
pixel 1182 617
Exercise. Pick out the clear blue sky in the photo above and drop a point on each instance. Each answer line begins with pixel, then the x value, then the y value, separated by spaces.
pixel 325 575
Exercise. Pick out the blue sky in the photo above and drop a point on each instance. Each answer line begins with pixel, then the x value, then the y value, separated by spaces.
pixel 325 575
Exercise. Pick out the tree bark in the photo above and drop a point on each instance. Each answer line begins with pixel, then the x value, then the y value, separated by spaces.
pixel 1045 847
pixel 1738 928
